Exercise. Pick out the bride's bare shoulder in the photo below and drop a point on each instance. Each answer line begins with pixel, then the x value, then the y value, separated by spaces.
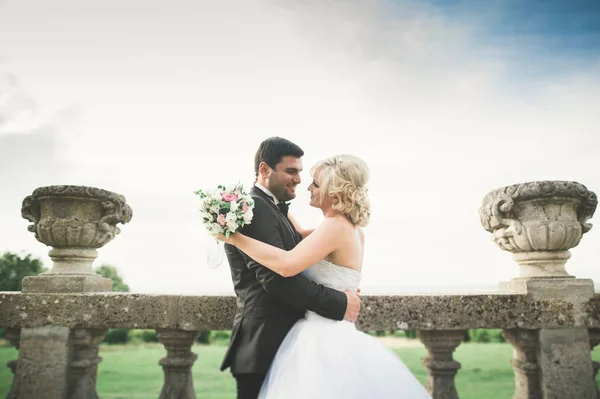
pixel 339 225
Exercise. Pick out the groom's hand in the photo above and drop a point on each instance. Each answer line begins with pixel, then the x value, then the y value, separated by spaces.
pixel 353 306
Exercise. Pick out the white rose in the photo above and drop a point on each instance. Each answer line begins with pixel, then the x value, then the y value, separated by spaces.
pixel 233 206
pixel 231 217
pixel 232 226
pixel 214 209
pixel 215 229
pixel 248 216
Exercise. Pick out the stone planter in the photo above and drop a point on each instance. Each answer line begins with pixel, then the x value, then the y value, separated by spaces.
pixel 74 221
pixel 539 222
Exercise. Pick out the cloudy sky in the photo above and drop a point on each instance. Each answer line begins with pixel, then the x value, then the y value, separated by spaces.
pixel 445 100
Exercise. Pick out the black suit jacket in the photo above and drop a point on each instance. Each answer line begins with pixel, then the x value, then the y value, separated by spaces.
pixel 268 305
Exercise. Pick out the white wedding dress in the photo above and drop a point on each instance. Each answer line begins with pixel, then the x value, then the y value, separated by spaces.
pixel 323 358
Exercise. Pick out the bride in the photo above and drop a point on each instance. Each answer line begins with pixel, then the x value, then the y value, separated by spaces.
pixel 319 357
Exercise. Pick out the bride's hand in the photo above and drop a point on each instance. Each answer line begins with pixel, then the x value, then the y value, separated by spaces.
pixel 221 237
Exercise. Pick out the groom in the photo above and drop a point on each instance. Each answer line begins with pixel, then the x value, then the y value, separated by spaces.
pixel 268 305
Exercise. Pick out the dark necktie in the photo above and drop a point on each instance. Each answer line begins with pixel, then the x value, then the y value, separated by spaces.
pixel 283 207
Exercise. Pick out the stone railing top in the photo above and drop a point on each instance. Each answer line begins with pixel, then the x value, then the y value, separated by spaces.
pixel 406 312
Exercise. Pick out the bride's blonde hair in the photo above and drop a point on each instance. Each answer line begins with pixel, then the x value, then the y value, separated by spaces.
pixel 343 178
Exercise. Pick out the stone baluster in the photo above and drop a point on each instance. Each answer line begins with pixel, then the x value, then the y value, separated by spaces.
pixel 13 335
pixel 440 364
pixel 75 221
pixel 538 222
pixel 84 362
pixel 177 365
pixel 594 335
pixel 527 373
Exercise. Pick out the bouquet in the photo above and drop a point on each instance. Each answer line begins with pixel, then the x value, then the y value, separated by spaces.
pixel 226 209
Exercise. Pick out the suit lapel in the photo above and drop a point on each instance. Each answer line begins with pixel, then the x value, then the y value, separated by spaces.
pixel 257 191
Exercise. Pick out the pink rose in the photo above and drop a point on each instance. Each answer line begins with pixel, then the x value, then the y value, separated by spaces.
pixel 229 197
pixel 244 207
pixel 221 219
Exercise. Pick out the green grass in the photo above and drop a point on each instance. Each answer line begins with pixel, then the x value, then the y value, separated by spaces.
pixel 133 372
pixel 485 369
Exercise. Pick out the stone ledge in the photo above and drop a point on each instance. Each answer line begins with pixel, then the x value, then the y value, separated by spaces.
pixel 406 312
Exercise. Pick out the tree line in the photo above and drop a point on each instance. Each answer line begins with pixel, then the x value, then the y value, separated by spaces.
pixel 15 267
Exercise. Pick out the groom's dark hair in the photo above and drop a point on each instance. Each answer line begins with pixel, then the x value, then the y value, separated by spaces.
pixel 273 149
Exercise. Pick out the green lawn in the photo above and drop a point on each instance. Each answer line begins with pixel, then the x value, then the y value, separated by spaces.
pixel 133 371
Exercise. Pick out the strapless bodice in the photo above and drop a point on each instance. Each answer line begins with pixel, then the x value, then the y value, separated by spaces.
pixel 333 276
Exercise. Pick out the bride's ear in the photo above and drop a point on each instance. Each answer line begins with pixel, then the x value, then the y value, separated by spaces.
pixel 336 198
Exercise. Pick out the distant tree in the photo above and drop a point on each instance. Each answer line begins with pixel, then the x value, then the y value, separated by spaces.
pixel 118 285
pixel 15 267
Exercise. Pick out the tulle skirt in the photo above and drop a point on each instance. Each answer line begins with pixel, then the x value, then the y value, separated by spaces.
pixel 322 358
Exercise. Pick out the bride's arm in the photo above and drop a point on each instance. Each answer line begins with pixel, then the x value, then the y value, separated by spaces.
pixel 303 232
pixel 324 240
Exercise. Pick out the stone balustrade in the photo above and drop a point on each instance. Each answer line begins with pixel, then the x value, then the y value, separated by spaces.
pixel 213 312
pixel 551 318
pixel 440 320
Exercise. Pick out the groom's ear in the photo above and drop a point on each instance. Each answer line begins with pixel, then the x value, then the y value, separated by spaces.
pixel 264 169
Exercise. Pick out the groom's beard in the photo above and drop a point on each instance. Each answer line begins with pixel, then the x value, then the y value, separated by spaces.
pixel 282 193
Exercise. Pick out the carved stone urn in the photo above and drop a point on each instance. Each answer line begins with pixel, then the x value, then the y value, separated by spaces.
pixel 74 221
pixel 539 222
